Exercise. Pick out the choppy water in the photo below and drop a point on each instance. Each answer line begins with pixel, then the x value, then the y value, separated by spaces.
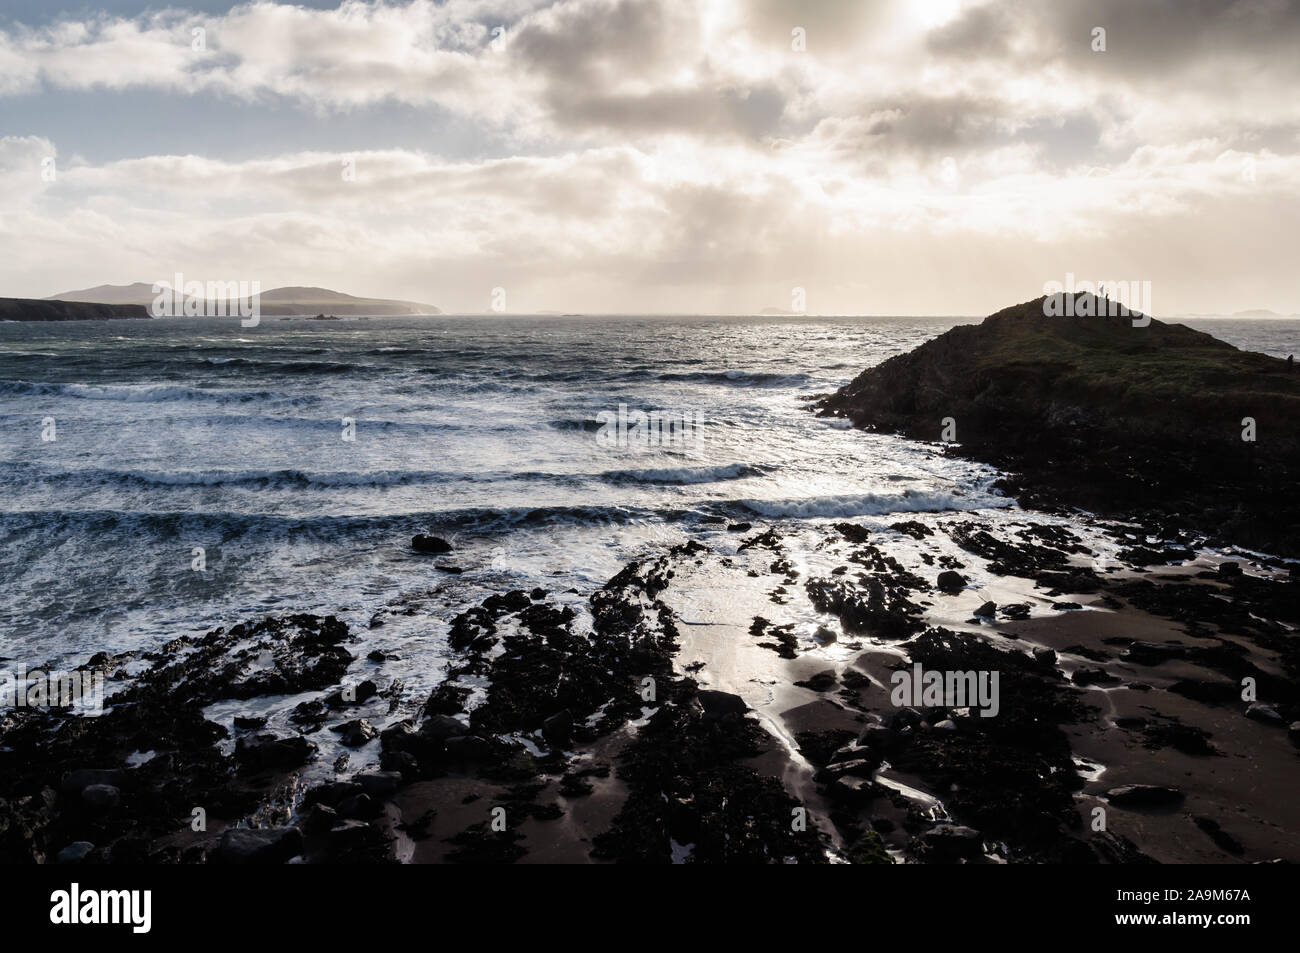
pixel 178 434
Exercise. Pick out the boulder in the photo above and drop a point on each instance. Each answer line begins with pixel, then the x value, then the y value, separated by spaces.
pixel 952 842
pixel 100 797
pixel 74 782
pixel 1262 711
pixel 722 703
pixel 852 789
pixel 331 793
pixel 268 751
pixel 442 727
pixel 430 544
pixel 951 581
pixel 379 783
pixel 469 748
pixel 355 733
pixel 357 806
pixel 75 852
pixel 271 845
pixel 558 728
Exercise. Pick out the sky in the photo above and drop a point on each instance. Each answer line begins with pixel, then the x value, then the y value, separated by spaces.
pixel 652 156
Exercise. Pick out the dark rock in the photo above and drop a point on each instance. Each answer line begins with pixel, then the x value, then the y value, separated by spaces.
pixel 874 738
pixel 1207 692
pixel 331 793
pixel 951 581
pixel 516 600
pixel 988 610
pixel 1230 570
pixel 263 751
pixel 722 703
pixel 359 694
pixel 379 783
pixel 100 797
pixel 1153 653
pixel 558 727
pixel 442 727
pixel 358 806
pixel 75 852
pixel 1093 676
pixel 852 790
pixel 821 682
pixel 740 527
pixel 1262 711
pixel 356 732
pixel 469 748
pixel 851 752
pixel 952 842
pixel 904 718
pixel 1216 833
pixel 401 762
pixel 74 782
pixel 430 544
pixel 319 818
pixel 273 845
pixel 858 767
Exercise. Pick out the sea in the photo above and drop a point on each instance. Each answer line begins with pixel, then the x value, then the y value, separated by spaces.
pixel 165 477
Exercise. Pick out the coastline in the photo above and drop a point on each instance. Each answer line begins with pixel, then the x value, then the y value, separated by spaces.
pixel 746 723
pixel 723 697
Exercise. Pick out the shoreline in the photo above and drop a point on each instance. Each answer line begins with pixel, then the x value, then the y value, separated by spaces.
pixel 1125 676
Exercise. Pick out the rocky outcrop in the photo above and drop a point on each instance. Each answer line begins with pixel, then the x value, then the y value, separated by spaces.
pixel 1156 420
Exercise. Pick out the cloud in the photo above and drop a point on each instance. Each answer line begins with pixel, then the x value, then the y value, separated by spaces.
pixel 673 155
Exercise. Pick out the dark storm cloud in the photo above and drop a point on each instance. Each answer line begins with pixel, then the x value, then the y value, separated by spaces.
pixel 579 44
pixel 616 66
pixel 1150 37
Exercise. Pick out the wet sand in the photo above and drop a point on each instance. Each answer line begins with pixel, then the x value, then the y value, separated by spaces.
pixel 1234 773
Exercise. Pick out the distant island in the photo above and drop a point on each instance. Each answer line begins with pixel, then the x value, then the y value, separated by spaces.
pixel 307 301
pixel 36 309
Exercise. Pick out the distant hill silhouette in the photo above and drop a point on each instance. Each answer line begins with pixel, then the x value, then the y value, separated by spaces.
pixel 277 301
